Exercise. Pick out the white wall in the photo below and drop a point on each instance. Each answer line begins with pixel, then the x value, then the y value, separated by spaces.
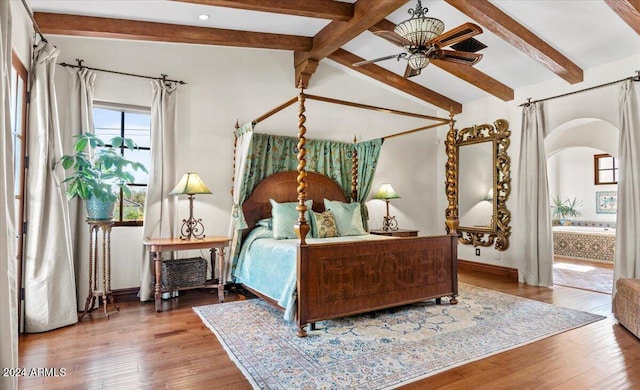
pixel 599 104
pixel 229 84
pixel 571 175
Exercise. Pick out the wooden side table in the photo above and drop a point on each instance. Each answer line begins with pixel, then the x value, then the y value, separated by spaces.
pixel 95 227
pixel 396 233
pixel 158 245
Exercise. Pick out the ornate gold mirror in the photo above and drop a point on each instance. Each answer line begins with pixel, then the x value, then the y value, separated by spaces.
pixel 483 184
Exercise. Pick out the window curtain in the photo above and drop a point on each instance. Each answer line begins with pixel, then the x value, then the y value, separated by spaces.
pixel 627 257
pixel 50 292
pixel 8 285
pixel 536 252
pixel 268 154
pixel 160 208
pixel 80 101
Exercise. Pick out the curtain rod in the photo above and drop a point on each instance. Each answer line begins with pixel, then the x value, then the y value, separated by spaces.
pixel 634 78
pixel 33 20
pixel 163 78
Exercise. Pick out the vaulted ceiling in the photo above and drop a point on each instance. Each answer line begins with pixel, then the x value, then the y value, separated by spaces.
pixel 528 41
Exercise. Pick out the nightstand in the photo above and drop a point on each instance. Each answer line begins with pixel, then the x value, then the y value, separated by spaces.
pixel 158 245
pixel 396 233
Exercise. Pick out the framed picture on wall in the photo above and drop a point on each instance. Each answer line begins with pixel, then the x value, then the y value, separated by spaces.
pixel 606 202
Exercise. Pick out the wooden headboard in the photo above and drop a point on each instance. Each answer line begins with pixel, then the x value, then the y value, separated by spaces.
pixel 282 187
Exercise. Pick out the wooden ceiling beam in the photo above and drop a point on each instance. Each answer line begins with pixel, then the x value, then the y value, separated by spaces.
pixel 382 75
pixel 321 9
pixel 627 10
pixel 501 24
pixel 336 34
pixel 89 26
pixel 467 73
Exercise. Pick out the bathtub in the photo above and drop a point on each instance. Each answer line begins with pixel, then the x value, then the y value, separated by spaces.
pixel 585 229
pixel 591 243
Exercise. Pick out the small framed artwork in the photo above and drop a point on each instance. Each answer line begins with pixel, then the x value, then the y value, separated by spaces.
pixel 606 202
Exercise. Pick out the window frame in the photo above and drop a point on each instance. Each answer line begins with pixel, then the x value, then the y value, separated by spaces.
pixel 20 156
pixel 597 170
pixel 123 109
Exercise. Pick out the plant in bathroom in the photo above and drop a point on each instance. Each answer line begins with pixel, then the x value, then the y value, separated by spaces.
pixel 564 208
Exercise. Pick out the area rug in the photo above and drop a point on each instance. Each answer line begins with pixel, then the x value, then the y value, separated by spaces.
pixel 384 351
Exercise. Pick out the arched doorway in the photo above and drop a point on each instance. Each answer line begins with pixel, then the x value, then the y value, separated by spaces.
pixel 584 251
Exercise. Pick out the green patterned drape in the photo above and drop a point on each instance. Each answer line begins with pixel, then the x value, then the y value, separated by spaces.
pixel 368 153
pixel 269 154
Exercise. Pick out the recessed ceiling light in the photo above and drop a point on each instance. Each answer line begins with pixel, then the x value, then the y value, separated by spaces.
pixel 203 17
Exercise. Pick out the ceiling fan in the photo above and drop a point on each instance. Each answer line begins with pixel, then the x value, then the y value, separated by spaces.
pixel 423 40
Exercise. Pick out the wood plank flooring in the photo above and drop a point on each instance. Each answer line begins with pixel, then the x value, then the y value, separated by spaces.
pixel 140 349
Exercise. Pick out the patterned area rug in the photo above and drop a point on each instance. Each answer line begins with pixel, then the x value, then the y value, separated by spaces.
pixel 393 348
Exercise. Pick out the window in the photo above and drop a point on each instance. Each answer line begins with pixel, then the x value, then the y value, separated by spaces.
pixel 18 120
pixel 131 122
pixel 605 169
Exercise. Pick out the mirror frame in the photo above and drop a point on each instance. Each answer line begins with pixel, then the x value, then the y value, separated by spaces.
pixel 500 230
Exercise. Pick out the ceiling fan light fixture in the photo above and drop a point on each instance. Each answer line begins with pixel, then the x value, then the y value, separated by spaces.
pixel 419 29
pixel 418 61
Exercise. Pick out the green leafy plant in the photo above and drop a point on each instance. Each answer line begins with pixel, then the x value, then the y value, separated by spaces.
pixel 99 170
pixel 563 208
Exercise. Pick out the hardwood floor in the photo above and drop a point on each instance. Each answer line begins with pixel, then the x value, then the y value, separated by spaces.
pixel 140 349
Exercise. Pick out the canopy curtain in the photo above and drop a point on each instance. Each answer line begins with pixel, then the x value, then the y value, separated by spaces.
pixel 159 207
pixel 536 252
pixel 80 101
pixel 368 153
pixel 49 282
pixel 627 254
pixel 268 154
pixel 243 142
pixel 8 286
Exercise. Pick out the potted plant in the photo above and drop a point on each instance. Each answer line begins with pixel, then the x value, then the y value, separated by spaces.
pixel 99 172
pixel 564 208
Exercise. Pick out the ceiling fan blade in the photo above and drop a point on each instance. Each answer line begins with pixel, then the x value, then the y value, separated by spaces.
pixel 459 57
pixel 397 56
pixel 410 72
pixel 457 34
pixel 393 38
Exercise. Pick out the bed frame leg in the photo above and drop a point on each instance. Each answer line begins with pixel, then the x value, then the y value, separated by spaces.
pixel 453 300
pixel 438 301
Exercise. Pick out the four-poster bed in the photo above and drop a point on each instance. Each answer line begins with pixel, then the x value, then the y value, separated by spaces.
pixel 324 278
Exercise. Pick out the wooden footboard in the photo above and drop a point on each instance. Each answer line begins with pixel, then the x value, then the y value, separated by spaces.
pixel 341 279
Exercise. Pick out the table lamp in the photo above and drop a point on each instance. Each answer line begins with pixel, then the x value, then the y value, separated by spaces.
pixel 385 193
pixel 191 184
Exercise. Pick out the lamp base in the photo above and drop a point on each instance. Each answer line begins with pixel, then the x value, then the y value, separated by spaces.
pixel 191 229
pixel 389 223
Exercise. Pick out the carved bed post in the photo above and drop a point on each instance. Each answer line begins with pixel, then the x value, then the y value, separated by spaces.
pixel 301 227
pixel 451 166
pixel 354 172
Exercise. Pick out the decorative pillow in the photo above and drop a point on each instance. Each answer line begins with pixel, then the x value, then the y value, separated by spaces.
pixel 325 224
pixel 348 217
pixel 284 216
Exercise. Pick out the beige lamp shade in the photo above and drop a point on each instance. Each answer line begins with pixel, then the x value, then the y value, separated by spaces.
pixel 190 184
pixel 386 192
